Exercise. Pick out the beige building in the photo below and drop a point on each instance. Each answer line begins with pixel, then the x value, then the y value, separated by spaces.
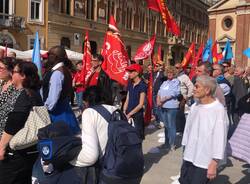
pixel 64 22
pixel 230 19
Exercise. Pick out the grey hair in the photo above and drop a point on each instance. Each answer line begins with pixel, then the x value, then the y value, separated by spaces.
pixel 208 82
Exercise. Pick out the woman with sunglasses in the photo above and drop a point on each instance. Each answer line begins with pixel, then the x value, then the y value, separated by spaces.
pixel 16 166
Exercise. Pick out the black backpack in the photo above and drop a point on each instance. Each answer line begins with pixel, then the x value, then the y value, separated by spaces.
pixel 123 158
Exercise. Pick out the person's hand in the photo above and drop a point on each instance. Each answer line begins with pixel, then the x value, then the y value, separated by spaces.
pixel 2 153
pixel 212 170
pixel 128 116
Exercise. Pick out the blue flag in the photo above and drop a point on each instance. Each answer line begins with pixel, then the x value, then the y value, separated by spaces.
pixel 207 52
pixel 247 52
pixel 36 55
pixel 227 53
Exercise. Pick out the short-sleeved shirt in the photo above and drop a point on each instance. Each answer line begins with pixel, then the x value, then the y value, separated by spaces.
pixel 134 94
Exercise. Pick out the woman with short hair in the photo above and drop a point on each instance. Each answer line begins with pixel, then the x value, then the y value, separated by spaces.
pixel 167 100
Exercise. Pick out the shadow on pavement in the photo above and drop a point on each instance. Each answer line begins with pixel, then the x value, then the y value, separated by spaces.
pixel 221 179
pixel 245 179
pixel 153 158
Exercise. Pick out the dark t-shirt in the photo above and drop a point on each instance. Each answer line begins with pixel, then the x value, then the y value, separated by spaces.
pixel 17 118
pixel 134 94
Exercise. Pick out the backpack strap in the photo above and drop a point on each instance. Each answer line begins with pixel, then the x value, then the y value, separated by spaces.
pixel 103 112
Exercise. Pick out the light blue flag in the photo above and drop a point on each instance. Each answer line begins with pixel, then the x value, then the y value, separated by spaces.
pixel 227 53
pixel 247 52
pixel 207 52
pixel 36 55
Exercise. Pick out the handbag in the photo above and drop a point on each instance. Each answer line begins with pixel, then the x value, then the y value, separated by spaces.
pixel 27 136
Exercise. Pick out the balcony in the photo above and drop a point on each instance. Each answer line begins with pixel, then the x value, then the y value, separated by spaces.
pixel 12 22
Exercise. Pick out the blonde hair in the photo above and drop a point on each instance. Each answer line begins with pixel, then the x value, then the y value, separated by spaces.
pixel 171 69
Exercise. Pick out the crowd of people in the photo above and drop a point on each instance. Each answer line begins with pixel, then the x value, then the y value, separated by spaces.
pixel 209 110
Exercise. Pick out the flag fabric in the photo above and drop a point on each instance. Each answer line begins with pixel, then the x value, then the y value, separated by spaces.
pixel 86 60
pixel 168 19
pixel 115 55
pixel 207 55
pixel 227 53
pixel 159 54
pixel 195 62
pixel 247 52
pixel 145 50
pixel 189 56
pixel 215 55
pixel 149 107
pixel 36 58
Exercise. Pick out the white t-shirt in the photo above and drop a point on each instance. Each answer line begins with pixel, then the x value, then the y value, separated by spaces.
pixel 94 137
pixel 205 134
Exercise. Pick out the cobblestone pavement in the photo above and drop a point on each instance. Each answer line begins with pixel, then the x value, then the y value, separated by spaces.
pixel 160 166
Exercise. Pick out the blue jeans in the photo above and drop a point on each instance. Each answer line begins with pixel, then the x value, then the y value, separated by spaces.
pixel 79 100
pixel 156 110
pixel 169 120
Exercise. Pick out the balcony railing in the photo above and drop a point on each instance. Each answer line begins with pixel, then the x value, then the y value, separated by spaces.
pixel 12 21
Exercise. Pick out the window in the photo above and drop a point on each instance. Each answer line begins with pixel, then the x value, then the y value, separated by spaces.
pixel 227 23
pixel 65 6
pixel 36 9
pixel 90 9
pixel 65 42
pixel 31 41
pixel 6 8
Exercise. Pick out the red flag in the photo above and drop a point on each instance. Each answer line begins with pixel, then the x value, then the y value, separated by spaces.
pixel 160 6
pixel 145 50
pixel 216 56
pixel 159 55
pixel 86 60
pixel 152 4
pixel 195 63
pixel 189 56
pixel 148 111
pixel 115 55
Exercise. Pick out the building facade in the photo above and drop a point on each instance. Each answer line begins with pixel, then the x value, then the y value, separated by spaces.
pixel 64 22
pixel 230 20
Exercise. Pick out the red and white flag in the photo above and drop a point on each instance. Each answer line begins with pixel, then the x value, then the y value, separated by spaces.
pixel 145 50
pixel 115 55
pixel 86 60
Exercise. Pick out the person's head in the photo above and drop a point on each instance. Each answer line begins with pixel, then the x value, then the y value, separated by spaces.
pixel 171 72
pixel 79 65
pixel 218 70
pixel 56 55
pixel 239 71
pixel 149 68
pixel 96 60
pixel 247 71
pixel 226 66
pixel 25 75
pixel 134 71
pixel 6 68
pixel 94 95
pixel 2 52
pixel 159 66
pixel 178 67
pixel 205 86
pixel 11 54
pixel 204 69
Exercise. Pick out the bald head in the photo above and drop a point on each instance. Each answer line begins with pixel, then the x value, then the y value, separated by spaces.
pixel 56 55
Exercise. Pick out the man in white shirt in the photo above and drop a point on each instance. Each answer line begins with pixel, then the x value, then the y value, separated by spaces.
pixel 205 134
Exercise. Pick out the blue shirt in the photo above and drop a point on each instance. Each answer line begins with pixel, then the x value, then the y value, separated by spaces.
pixel 55 88
pixel 170 88
pixel 134 94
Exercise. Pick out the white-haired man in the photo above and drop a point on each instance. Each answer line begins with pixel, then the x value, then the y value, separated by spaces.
pixel 205 134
